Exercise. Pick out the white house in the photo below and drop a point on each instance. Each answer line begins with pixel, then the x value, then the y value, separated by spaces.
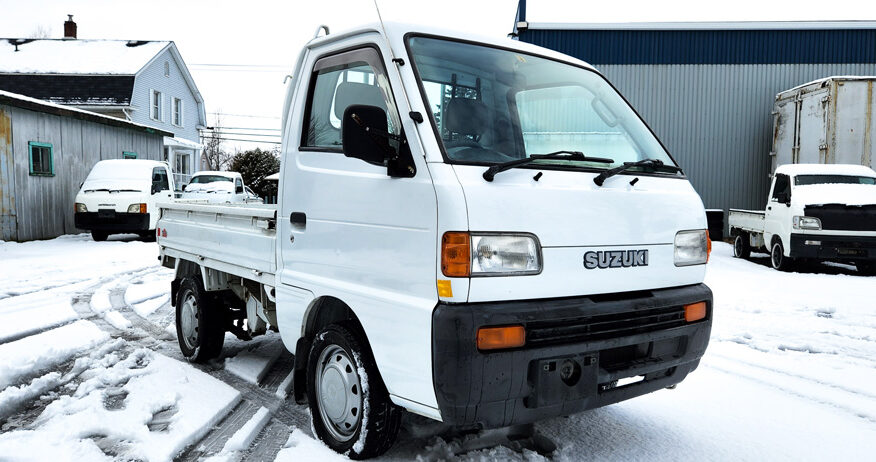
pixel 145 82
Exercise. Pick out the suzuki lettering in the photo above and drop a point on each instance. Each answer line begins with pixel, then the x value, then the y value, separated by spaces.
pixel 615 259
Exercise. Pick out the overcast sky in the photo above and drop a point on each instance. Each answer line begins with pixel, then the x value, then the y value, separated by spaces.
pixel 239 51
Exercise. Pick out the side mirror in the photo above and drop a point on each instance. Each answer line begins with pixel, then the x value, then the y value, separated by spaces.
pixel 364 134
pixel 184 187
pixel 784 198
pixel 239 190
pixel 156 188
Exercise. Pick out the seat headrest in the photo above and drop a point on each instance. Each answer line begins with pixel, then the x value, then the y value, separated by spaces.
pixel 465 116
pixel 349 93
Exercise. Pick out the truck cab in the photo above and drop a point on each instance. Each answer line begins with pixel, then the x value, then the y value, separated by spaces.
pixel 479 231
pixel 819 212
pixel 219 188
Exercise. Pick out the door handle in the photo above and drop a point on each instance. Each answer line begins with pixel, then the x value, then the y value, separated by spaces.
pixel 769 208
pixel 298 219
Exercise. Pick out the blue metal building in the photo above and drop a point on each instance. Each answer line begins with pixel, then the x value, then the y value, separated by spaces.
pixel 707 89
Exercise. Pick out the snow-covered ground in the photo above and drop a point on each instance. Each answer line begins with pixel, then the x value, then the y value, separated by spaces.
pixel 90 370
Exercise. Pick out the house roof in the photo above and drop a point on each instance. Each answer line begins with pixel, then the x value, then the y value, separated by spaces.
pixel 85 90
pixel 37 105
pixel 79 57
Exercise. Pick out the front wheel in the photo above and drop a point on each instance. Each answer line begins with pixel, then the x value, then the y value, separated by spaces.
pixel 741 246
pixel 778 260
pixel 349 404
pixel 200 327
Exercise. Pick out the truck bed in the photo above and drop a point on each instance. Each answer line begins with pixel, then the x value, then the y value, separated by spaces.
pixel 748 220
pixel 235 238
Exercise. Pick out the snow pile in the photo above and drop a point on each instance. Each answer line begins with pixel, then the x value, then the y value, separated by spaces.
pixel 145 407
pixel 253 363
pixel 44 351
pixel 302 447
pixel 26 314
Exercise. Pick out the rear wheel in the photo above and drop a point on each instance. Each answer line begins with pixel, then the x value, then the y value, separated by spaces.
pixel 741 246
pixel 349 404
pixel 778 260
pixel 200 321
pixel 99 236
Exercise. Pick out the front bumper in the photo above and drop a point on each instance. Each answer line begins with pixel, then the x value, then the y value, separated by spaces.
pixel 603 338
pixel 833 248
pixel 110 220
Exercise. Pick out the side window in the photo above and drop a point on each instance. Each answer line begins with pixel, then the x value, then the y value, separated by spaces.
pixel 782 186
pixel 339 81
pixel 238 185
pixel 159 177
pixel 41 161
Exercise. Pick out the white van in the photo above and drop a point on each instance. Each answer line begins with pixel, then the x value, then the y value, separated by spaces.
pixel 219 188
pixel 482 232
pixel 119 196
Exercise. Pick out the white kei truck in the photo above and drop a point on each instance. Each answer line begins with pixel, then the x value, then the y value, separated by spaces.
pixel 815 212
pixel 476 230
pixel 121 196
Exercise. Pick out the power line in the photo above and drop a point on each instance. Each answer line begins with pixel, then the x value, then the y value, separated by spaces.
pixel 244 115
pixel 244 128
pixel 223 133
pixel 239 139
pixel 237 65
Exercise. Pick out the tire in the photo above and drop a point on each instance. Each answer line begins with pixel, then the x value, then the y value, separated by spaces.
pixel 341 397
pixel 99 236
pixel 147 236
pixel 741 246
pixel 866 268
pixel 778 260
pixel 200 321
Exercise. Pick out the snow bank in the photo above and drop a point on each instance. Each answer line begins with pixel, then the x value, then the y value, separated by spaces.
pixel 46 350
pixel 146 407
pixel 253 363
pixel 302 447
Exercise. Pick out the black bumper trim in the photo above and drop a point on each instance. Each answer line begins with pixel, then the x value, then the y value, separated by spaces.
pixel 510 387
pixel 115 221
pixel 833 247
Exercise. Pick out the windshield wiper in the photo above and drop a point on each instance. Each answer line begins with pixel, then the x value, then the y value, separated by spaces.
pixel 571 155
pixel 652 163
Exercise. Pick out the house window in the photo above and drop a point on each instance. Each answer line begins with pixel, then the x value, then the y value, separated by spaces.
pixel 166 69
pixel 182 164
pixel 41 162
pixel 177 112
pixel 155 106
pixel 129 155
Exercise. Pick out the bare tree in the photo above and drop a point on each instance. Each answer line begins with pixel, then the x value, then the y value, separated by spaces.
pixel 42 31
pixel 214 156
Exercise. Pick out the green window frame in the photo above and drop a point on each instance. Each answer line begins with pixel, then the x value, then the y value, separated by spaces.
pixel 43 164
pixel 129 155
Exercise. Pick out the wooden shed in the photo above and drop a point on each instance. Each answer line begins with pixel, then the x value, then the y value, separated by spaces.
pixel 46 151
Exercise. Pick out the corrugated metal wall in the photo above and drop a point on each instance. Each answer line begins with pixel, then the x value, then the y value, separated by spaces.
pixel 44 204
pixel 716 119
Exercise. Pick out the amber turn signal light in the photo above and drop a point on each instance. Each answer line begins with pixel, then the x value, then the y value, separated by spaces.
pixel 496 338
pixel 708 246
pixel 695 311
pixel 456 255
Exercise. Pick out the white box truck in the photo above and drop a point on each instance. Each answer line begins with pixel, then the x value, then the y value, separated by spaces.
pixel 827 121
pixel 476 230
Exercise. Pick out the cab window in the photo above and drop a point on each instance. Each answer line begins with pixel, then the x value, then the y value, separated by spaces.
pixel 337 82
pixel 782 188
pixel 159 178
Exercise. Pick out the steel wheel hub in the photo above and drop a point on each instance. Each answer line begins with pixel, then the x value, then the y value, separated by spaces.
pixel 189 321
pixel 339 393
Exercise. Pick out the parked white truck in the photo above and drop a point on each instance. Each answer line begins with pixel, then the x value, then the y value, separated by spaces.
pixel 814 212
pixel 219 188
pixel 479 231
pixel 120 196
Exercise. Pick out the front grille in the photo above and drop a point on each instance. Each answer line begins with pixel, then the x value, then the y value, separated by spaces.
pixel 603 326
pixel 844 217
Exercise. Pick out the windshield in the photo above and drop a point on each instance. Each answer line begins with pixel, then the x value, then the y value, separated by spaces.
pixel 491 106
pixel 209 179
pixel 803 180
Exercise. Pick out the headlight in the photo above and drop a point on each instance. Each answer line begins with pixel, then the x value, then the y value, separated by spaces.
pixel 806 223
pixel 81 208
pixel 137 208
pixel 691 247
pixel 484 254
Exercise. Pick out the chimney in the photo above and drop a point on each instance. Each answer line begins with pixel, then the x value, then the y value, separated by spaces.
pixel 69 28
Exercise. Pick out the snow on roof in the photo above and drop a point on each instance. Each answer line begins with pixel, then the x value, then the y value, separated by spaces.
pixel 218 173
pixel 34 104
pixel 825 169
pixel 93 57
pixel 824 80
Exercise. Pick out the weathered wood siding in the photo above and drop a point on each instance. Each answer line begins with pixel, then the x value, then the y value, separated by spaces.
pixel 44 204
